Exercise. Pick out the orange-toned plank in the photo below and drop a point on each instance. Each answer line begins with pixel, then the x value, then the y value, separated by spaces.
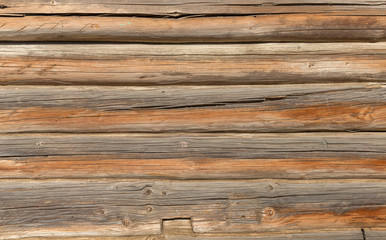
pixel 132 207
pixel 284 108
pixel 202 156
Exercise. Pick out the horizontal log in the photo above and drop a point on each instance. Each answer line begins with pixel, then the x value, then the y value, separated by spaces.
pixel 183 7
pixel 132 207
pixel 374 234
pixel 263 28
pixel 284 108
pixel 328 234
pixel 202 156
pixel 125 64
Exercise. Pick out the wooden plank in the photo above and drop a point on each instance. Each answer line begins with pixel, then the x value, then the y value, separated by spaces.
pixel 284 108
pixel 124 64
pixel 374 234
pixel 354 234
pixel 181 7
pixel 300 236
pixel 194 156
pixel 124 207
pixel 263 28
pixel 327 235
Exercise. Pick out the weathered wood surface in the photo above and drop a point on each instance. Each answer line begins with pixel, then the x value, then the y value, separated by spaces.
pixel 288 108
pixel 193 162
pixel 125 207
pixel 374 234
pixel 351 234
pixel 262 28
pixel 183 7
pixel 194 156
pixel 124 64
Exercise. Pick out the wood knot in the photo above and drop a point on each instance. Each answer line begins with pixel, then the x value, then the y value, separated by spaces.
pixel 94 26
pixel 125 222
pixel 269 212
pixel 270 187
pixel 184 144
pixel 101 212
pixel 148 192
pixel 149 209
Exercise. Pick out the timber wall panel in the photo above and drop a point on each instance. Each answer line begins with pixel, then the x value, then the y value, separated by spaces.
pixel 188 119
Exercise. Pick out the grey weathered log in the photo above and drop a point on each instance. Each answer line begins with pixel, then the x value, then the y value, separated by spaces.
pixel 124 207
pixel 194 156
pixel 374 234
pixel 125 64
pixel 284 108
pixel 351 234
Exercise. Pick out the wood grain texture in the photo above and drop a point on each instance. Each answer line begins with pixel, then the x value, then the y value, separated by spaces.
pixel 183 7
pixel 262 28
pixel 374 234
pixel 194 156
pixel 351 234
pixel 130 207
pixel 288 108
pixel 135 64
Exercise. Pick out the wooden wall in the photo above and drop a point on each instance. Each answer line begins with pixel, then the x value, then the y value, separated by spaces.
pixel 188 119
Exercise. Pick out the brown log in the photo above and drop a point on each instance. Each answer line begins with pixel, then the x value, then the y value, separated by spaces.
pixel 184 7
pixel 350 234
pixel 203 156
pixel 132 207
pixel 262 28
pixel 284 108
pixel 134 64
